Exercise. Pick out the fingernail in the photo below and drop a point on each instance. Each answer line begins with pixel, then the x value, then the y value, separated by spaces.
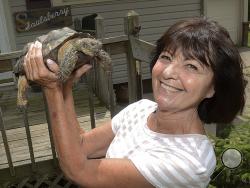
pixel 49 61
pixel 39 44
pixel 35 44
pixel 31 46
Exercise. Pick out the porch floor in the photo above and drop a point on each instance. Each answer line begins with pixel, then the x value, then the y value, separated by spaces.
pixel 16 134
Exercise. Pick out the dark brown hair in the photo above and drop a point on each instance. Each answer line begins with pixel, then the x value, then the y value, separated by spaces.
pixel 210 44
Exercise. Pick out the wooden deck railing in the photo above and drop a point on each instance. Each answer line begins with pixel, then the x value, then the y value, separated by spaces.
pixel 137 51
pixel 245 31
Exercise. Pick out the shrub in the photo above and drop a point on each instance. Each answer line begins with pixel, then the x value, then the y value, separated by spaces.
pixel 238 137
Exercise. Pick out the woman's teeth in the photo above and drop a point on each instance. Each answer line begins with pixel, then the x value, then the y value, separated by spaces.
pixel 170 88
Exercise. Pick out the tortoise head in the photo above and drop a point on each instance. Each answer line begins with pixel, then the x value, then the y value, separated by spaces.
pixel 93 48
pixel 88 46
pixel 104 59
pixel 80 51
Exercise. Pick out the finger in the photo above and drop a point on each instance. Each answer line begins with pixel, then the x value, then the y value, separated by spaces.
pixel 53 67
pixel 28 62
pixel 35 58
pixel 43 70
pixel 39 57
pixel 85 68
pixel 25 69
pixel 40 63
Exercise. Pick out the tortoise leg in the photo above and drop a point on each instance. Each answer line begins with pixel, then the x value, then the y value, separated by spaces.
pixel 21 94
pixel 104 59
pixel 67 65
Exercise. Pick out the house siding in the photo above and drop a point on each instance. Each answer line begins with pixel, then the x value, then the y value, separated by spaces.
pixel 155 17
pixel 231 18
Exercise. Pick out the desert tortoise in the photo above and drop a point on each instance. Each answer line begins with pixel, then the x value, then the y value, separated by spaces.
pixel 70 49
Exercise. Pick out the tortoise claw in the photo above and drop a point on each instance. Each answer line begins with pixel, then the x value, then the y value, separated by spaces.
pixel 22 101
pixel 22 108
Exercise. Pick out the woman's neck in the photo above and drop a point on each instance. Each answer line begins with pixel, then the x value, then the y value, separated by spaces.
pixel 184 122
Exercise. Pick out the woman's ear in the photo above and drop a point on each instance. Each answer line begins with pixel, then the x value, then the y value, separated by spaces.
pixel 211 92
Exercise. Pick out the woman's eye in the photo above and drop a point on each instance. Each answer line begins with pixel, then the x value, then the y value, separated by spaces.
pixel 193 67
pixel 165 57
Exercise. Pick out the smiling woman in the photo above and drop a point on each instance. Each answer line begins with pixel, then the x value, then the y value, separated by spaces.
pixel 210 49
pixel 180 84
pixel 197 78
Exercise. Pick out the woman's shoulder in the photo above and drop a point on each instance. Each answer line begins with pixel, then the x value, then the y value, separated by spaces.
pixel 198 144
pixel 145 104
pixel 197 148
pixel 135 112
pixel 140 106
pixel 185 166
pixel 202 151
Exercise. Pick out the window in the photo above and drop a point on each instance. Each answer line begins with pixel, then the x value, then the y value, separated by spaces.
pixel 72 2
pixel 34 4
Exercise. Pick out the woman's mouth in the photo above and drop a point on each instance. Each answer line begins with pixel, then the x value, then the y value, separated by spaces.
pixel 170 88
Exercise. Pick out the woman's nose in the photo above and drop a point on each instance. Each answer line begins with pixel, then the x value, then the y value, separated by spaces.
pixel 172 70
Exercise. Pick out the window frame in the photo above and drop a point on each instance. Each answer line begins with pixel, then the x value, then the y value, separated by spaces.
pixel 72 2
pixel 31 5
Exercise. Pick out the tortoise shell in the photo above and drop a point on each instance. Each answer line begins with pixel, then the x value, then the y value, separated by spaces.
pixel 54 40
pixel 69 49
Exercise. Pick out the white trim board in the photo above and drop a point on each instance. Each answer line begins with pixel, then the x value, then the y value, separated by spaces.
pixel 72 2
pixel 7 39
pixel 229 13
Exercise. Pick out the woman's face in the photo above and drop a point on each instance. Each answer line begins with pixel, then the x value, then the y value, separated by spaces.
pixel 179 83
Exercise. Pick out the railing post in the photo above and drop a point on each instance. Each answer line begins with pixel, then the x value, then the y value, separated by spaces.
pixel 245 29
pixel 6 145
pixel 52 144
pixel 99 27
pixel 132 29
pixel 29 139
pixel 100 34
pixel 89 78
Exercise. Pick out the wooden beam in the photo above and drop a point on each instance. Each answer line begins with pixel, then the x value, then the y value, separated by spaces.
pixel 11 55
pixel 6 145
pixel 141 50
pixel 29 139
pixel 116 48
pixel 132 28
pixel 109 40
pixel 52 143
pixel 44 167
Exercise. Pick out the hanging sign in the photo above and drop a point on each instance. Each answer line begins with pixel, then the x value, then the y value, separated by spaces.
pixel 41 19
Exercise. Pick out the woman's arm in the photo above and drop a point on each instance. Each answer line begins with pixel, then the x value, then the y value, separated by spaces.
pixel 72 151
pixel 68 94
pixel 97 141
pixel 70 107
pixel 67 90
pixel 71 147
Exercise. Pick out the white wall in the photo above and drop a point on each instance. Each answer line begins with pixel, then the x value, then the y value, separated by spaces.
pixel 155 17
pixel 7 42
pixel 229 13
pixel 7 37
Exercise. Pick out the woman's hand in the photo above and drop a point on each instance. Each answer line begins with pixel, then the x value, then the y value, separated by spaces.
pixel 36 70
pixel 74 77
